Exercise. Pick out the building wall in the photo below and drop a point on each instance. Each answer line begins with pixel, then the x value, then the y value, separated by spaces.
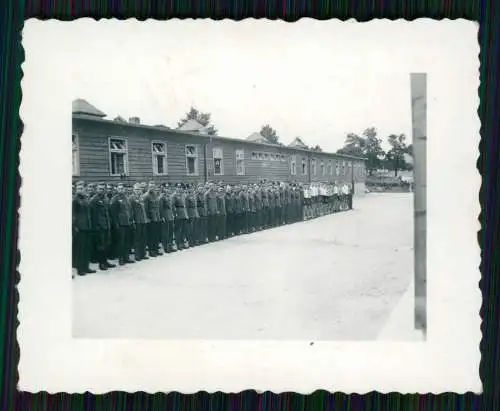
pixel 94 157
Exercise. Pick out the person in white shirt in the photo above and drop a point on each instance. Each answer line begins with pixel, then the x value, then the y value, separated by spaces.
pixel 344 196
pixel 336 198
pixel 315 200
pixel 307 201
pixel 330 198
pixel 322 195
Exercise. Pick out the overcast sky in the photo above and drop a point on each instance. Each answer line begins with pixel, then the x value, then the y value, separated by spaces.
pixel 316 80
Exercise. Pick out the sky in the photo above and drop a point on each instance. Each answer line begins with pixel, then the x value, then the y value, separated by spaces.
pixel 316 80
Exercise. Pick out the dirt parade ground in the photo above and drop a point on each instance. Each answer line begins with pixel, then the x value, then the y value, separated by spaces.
pixel 338 277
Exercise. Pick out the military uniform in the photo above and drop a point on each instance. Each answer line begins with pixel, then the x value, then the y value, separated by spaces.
pixel 221 216
pixel 290 205
pixel 181 220
pixel 100 224
pixel 258 209
pixel 238 213
pixel 283 205
pixel 152 207
pixel 139 219
pixel 201 202
pixel 212 215
pixel 167 238
pixel 265 207
pixel 277 207
pixel 252 211
pixel 229 200
pixel 120 217
pixel 82 234
pixel 193 217
pixel 272 207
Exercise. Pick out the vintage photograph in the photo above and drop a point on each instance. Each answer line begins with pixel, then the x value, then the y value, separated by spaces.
pixel 286 199
pixel 240 200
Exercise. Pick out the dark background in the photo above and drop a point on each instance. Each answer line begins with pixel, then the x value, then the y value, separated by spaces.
pixel 12 15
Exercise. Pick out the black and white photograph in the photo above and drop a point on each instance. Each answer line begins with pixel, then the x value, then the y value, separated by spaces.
pixel 253 184
pixel 240 200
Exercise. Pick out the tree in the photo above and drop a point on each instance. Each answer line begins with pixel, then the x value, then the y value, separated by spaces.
pixel 374 152
pixel 269 134
pixel 354 146
pixel 317 148
pixel 202 118
pixel 409 150
pixel 395 156
pixel 367 145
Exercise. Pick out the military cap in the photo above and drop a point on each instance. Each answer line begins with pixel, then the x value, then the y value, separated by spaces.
pixel 79 183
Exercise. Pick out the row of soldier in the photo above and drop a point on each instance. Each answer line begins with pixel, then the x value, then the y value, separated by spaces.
pixel 113 223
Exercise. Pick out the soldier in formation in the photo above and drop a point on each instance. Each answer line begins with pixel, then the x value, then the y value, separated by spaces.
pixel 134 223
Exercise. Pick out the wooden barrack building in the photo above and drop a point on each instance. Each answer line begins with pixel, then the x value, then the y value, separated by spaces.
pixel 120 150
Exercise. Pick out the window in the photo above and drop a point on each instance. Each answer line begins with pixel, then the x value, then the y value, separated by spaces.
pixel 337 168
pixel 118 156
pixel 304 166
pixel 218 163
pixel 322 168
pixel 266 156
pixel 283 157
pixel 293 165
pixel 76 156
pixel 330 167
pixel 255 156
pixel 313 166
pixel 240 162
pixel 191 160
pixel 272 157
pixel 343 168
pixel 159 158
pixel 261 156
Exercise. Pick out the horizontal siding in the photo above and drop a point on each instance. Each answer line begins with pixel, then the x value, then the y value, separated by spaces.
pixel 94 158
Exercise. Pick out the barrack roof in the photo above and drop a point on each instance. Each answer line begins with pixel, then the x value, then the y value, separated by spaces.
pixel 81 106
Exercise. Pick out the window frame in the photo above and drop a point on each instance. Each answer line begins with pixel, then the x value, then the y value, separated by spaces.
pixel 242 159
pixel 313 167
pixel 221 158
pixel 330 167
pixel 118 151
pixel 322 168
pixel 154 156
pixel 293 165
pixel 75 155
pixel 304 166
pixel 196 158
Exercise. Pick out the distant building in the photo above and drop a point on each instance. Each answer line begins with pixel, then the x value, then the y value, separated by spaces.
pixel 298 143
pixel 408 159
pixel 119 150
pixel 258 138
pixel 193 126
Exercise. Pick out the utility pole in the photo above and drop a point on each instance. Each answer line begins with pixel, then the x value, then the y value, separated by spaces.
pixel 419 131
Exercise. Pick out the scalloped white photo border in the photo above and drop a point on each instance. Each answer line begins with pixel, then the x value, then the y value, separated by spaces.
pixel 51 360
